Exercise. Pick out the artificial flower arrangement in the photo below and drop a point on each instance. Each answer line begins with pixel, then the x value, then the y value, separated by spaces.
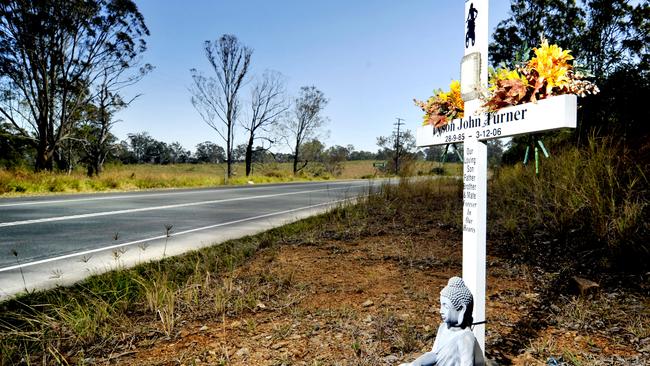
pixel 547 74
pixel 443 107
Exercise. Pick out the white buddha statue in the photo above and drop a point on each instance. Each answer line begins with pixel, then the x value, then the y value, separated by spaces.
pixel 455 344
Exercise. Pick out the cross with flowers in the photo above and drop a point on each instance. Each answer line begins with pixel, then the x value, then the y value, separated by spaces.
pixel 538 95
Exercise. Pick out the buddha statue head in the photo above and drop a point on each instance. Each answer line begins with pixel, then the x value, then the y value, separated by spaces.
pixel 456 304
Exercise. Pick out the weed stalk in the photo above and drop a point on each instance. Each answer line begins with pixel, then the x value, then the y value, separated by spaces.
pixel 20 268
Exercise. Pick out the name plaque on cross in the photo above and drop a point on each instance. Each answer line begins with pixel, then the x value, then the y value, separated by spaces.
pixel 545 115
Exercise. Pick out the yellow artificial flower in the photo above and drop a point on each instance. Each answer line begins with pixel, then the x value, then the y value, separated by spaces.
pixel 456 100
pixel 454 87
pixel 551 62
pixel 503 74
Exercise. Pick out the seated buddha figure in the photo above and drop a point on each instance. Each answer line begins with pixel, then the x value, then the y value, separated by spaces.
pixel 455 344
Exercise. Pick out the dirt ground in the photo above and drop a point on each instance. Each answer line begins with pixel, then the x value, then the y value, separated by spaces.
pixel 374 301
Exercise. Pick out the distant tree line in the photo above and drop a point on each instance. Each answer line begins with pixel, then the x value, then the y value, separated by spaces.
pixel 142 148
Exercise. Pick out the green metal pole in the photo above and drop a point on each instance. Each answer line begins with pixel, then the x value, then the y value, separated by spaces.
pixel 541 144
pixel 444 155
pixel 526 155
pixel 458 153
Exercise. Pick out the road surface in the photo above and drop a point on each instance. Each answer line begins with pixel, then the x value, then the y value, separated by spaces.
pixel 59 240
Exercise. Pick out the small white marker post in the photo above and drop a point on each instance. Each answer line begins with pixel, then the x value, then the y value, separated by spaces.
pixel 548 114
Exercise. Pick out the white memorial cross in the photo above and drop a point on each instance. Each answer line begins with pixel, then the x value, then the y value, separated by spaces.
pixel 475 128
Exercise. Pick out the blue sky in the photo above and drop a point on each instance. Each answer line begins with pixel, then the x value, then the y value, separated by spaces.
pixel 370 58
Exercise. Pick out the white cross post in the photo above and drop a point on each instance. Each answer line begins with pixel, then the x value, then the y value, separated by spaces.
pixel 475 128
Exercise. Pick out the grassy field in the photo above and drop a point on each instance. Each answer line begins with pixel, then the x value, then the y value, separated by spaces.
pixel 146 176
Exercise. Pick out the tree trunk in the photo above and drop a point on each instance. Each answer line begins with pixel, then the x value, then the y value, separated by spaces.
pixel 249 156
pixel 228 165
pixel 43 161
pixel 295 163
pixel 99 168
pixel 44 152
pixel 96 166
pixel 44 156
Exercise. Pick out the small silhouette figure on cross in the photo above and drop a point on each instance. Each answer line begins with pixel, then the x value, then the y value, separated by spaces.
pixel 471 25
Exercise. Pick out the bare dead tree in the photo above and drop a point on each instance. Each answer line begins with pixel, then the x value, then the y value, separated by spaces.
pixel 268 103
pixel 304 121
pixel 217 100
pixel 96 131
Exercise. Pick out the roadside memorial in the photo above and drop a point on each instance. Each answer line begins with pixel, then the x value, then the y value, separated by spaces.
pixel 540 95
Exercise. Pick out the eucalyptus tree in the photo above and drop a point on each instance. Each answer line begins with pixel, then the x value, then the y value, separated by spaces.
pixel 141 145
pixel 603 35
pixel 334 157
pixel 52 53
pixel 303 122
pixel 217 99
pixel 618 33
pixel 178 154
pixel 14 149
pixel 616 51
pixel 268 103
pixel 559 21
pixel 397 147
pixel 209 152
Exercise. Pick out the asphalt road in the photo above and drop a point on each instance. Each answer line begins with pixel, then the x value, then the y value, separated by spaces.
pixel 54 236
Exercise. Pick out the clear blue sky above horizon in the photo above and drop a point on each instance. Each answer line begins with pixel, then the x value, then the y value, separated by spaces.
pixel 370 58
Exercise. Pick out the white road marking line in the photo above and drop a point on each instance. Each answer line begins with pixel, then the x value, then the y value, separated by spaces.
pixel 136 195
pixel 132 210
pixel 71 255
pixel 124 196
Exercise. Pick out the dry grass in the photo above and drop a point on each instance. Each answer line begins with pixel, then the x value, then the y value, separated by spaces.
pixel 115 178
pixel 21 181
pixel 591 203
